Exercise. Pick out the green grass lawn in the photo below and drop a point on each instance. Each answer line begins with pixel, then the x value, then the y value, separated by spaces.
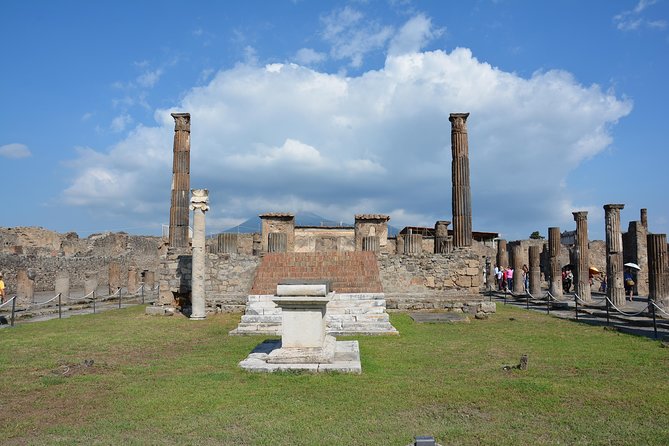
pixel 162 380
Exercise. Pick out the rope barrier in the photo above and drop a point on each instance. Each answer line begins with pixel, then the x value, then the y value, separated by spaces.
pixel 621 311
pixel 46 302
pixel 661 310
pixel 84 297
pixel 8 302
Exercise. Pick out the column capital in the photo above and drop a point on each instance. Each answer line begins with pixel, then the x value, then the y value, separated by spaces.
pixel 458 122
pixel 199 200
pixel 611 207
pixel 580 215
pixel 181 121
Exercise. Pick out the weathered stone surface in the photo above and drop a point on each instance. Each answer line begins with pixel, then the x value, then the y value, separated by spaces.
pixel 581 249
pixel 462 208
pixel 657 263
pixel 614 254
pixel 179 214
pixel 199 204
pixel 554 262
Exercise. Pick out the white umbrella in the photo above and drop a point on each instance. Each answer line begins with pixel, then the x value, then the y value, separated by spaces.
pixel 633 265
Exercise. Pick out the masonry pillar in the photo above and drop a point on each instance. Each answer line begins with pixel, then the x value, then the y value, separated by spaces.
pixel 90 282
pixel 657 269
pixel 535 270
pixel 644 218
pixel 62 284
pixel 370 243
pixel 133 283
pixel 277 242
pixel 443 244
pixel 462 196
pixel 149 280
pixel 582 279
pixel 554 262
pixel 518 282
pixel 25 287
pixel 277 222
pixel 227 243
pixel 614 254
pixel 114 277
pixel 199 203
pixel 502 254
pixel 179 213
pixel 413 244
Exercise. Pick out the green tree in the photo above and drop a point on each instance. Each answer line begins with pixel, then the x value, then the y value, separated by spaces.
pixel 536 236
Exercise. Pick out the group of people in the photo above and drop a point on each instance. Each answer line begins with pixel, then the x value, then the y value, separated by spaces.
pixel 505 277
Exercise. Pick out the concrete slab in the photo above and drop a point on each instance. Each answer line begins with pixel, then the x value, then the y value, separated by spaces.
pixel 346 359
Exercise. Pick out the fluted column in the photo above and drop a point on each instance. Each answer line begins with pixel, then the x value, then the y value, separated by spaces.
pixel 462 196
pixel 227 243
pixel 657 269
pixel 518 282
pixel 179 212
pixel 502 254
pixel 614 254
pixel 413 244
pixel 199 204
pixel 443 244
pixel 370 243
pixel 582 279
pixel 554 262
pixel 535 270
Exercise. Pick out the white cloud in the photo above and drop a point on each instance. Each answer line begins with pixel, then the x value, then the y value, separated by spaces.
pixel 308 56
pixel 120 122
pixel 288 137
pixel 413 36
pixel 15 151
pixel 351 37
pixel 149 78
pixel 635 18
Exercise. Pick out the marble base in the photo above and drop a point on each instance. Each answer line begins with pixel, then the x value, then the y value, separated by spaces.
pixel 346 359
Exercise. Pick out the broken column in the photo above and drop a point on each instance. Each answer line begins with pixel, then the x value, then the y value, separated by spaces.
pixel 462 196
pixel 227 243
pixel 133 282
pixel 582 276
pixel 199 203
pixel 502 254
pixel 114 276
pixel 443 244
pixel 644 218
pixel 90 283
pixel 25 287
pixel 413 243
pixel 615 288
pixel 554 262
pixel 179 212
pixel 535 270
pixel 657 269
pixel 149 280
pixel 518 282
pixel 370 243
pixel 635 250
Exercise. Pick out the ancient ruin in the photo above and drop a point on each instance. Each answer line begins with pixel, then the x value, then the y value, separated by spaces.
pixel 582 254
pixel 179 210
pixel 462 195
pixel 199 203
pixel 614 254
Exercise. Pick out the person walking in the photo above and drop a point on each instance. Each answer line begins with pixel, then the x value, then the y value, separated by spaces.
pixel 526 277
pixel 2 290
pixel 509 278
pixel 628 280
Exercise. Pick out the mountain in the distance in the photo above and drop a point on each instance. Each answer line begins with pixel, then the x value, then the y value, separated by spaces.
pixel 301 219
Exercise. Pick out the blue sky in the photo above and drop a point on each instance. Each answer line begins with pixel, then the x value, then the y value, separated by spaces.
pixel 335 108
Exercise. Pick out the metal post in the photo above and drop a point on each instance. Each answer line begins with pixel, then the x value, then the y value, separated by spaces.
pixel 60 306
pixel 504 296
pixel 527 300
pixel 576 303
pixel 13 309
pixel 94 302
pixel 548 305
pixel 652 305
pixel 119 297
pixel 142 293
pixel 607 310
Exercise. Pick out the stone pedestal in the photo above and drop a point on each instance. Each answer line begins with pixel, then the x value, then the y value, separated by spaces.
pixel 63 284
pixel 582 276
pixel 614 254
pixel 535 270
pixel 555 272
pixel 199 205
pixel 179 213
pixel 462 196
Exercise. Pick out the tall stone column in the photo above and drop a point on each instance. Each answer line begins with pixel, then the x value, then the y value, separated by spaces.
pixel 518 282
pixel 462 195
pixel 554 262
pixel 615 288
pixel 657 269
pixel 199 203
pixel 644 218
pixel 582 279
pixel 179 212
pixel 535 270
pixel 502 254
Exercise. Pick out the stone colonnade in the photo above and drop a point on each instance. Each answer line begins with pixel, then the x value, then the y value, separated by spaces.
pixel 615 289
pixel 535 270
pixel 657 266
pixel 582 279
pixel 502 254
pixel 462 196
pixel 517 256
pixel 179 212
pixel 199 203
pixel 555 273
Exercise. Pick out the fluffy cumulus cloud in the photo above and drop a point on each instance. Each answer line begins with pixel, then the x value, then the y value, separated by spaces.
pixel 286 137
pixel 15 151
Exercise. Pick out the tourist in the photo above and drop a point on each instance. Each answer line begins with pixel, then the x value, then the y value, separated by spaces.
pixel 568 280
pixel 2 290
pixel 602 286
pixel 628 279
pixel 526 277
pixel 509 278
pixel 500 278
